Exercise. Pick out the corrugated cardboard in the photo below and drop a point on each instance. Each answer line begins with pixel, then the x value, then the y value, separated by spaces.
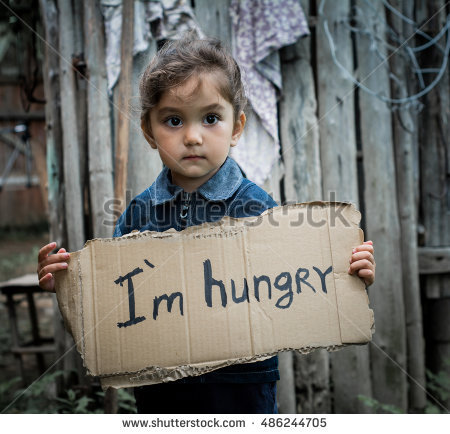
pixel 157 306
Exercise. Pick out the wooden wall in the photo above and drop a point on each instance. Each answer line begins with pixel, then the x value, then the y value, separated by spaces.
pixel 339 143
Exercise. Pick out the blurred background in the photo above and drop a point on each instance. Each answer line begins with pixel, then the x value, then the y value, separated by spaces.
pixel 348 101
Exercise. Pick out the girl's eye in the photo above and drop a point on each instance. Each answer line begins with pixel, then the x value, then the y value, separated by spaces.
pixel 173 121
pixel 211 119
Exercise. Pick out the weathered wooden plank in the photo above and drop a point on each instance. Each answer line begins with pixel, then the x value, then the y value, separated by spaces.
pixel 55 192
pixel 73 192
pixel 41 169
pixel 55 197
pixel 435 147
pixel 404 140
pixel 299 128
pixel 299 135
pixel 144 163
pixel 434 260
pixel 350 370
pixel 100 165
pixel 81 95
pixel 214 19
pixel 312 372
pixel 123 103
pixel 388 350
pixel 72 181
pixel 99 123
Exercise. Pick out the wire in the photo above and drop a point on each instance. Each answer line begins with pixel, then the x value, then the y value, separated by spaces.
pixel 376 41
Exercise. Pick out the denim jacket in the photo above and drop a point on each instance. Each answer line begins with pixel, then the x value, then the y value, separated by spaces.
pixel 164 205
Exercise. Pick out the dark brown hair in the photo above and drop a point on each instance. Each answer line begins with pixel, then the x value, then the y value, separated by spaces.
pixel 178 60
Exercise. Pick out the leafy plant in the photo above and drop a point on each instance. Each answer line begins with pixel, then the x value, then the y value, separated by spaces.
pixel 125 401
pixel 440 384
pixel 73 404
pixel 40 397
pixel 37 398
pixel 379 407
pixel 5 392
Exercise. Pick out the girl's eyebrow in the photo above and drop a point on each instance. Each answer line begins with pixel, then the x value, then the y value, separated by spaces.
pixel 215 106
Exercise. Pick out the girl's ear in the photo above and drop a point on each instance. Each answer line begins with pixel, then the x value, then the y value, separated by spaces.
pixel 147 131
pixel 238 128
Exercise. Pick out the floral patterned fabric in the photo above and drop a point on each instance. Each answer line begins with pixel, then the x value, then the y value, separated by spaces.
pixel 261 28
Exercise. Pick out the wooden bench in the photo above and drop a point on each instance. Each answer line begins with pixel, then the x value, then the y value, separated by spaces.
pixel 26 285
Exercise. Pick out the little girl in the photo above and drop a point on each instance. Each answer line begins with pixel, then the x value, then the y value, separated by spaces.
pixel 192 101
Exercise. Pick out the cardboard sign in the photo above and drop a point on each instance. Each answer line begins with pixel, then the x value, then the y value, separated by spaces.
pixel 157 306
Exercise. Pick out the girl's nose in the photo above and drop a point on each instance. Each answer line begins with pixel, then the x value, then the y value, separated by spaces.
pixel 192 135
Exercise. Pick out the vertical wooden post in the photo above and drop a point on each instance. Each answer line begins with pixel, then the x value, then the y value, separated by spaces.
pixel 350 371
pixel 49 16
pixel 123 103
pixel 81 98
pixel 71 160
pixel 144 163
pixel 404 138
pixel 214 19
pixel 302 182
pixel 435 175
pixel 55 175
pixel 388 350
pixel 299 135
pixel 99 123
pixel 99 138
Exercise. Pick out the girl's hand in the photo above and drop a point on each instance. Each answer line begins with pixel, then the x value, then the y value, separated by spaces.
pixel 362 262
pixel 49 264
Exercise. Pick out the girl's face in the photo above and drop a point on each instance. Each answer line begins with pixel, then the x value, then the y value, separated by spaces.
pixel 193 128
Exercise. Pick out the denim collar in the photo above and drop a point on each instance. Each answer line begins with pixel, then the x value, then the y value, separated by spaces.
pixel 221 186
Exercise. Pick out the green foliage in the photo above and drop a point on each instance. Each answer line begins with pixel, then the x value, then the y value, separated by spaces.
pixel 73 404
pixel 5 392
pixel 379 407
pixel 125 401
pixel 38 398
pixel 439 385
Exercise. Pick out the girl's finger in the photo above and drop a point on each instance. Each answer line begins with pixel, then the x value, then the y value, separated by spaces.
pixel 53 259
pixel 360 265
pixel 362 248
pixel 362 255
pixel 368 276
pixel 45 251
pixel 47 282
pixel 53 268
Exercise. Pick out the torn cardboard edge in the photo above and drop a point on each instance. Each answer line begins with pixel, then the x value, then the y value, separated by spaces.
pixel 105 351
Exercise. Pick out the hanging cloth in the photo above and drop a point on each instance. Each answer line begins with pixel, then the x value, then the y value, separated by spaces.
pixel 153 19
pixel 260 29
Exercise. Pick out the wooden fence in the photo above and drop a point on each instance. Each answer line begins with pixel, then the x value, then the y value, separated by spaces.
pixel 339 142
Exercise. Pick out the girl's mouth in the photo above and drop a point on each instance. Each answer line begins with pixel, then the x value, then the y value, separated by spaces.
pixel 193 157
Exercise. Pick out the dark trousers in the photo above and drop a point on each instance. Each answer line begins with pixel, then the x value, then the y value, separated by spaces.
pixel 209 398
